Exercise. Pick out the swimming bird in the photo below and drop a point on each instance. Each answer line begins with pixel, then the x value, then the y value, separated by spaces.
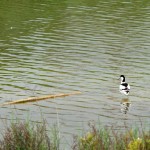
pixel 124 87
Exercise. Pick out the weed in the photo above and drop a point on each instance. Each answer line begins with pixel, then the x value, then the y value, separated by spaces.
pixel 110 139
pixel 26 136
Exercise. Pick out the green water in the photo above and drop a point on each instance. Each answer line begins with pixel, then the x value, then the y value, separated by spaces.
pixel 51 46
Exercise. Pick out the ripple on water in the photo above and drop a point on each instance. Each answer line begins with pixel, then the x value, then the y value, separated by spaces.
pixel 76 48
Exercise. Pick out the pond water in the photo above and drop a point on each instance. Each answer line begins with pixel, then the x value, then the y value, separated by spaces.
pixel 50 47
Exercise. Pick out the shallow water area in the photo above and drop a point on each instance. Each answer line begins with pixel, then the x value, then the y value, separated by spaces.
pixel 54 47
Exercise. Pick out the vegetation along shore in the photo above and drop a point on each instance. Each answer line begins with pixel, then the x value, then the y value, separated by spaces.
pixel 28 135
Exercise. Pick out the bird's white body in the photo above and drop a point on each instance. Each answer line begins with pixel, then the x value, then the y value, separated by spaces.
pixel 124 87
pixel 124 90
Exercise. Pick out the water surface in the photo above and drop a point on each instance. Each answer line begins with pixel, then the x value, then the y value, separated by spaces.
pixel 55 47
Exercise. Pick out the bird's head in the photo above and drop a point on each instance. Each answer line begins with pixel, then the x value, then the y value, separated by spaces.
pixel 122 78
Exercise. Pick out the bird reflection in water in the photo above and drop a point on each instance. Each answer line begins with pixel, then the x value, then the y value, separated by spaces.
pixel 125 105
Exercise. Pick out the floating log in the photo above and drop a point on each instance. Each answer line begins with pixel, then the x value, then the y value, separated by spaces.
pixel 32 99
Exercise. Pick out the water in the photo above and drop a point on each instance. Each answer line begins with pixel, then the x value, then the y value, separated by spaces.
pixel 55 47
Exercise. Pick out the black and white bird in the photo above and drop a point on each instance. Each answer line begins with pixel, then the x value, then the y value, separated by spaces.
pixel 124 87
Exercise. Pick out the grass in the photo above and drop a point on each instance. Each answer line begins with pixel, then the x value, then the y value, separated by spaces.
pixel 110 139
pixel 27 136
pixel 32 136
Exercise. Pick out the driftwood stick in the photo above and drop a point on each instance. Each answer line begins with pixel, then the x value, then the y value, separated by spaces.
pixel 32 99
